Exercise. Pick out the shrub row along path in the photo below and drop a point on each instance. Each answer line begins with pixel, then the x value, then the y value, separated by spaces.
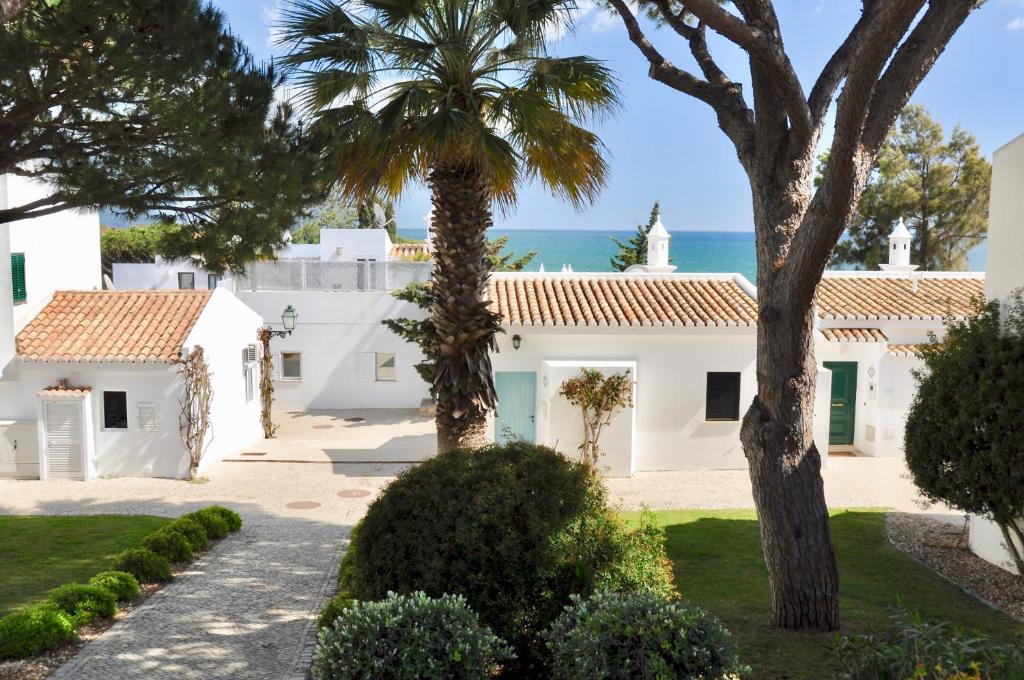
pixel 247 608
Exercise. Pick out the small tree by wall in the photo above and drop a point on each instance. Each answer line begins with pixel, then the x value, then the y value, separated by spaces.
pixel 965 434
pixel 599 397
pixel 196 398
pixel 266 384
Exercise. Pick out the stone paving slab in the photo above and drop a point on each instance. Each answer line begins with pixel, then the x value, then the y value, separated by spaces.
pixel 246 609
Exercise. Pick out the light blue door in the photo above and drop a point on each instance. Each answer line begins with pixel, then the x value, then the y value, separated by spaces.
pixel 517 404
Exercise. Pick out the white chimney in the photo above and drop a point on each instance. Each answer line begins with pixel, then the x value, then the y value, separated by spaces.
pixel 899 250
pixel 657 245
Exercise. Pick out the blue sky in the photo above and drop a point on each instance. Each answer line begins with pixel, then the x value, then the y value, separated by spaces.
pixel 665 146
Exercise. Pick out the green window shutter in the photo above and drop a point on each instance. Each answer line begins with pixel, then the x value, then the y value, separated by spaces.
pixel 18 277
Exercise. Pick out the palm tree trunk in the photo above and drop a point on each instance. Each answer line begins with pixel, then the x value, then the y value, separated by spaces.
pixel 464 382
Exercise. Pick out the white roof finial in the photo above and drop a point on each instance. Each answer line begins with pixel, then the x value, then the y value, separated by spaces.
pixel 541 270
pixel 899 250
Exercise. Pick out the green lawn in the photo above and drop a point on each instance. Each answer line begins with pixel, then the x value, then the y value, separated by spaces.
pixel 718 566
pixel 40 553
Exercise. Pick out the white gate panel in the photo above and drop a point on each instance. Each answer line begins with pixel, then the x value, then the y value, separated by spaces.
pixel 64 439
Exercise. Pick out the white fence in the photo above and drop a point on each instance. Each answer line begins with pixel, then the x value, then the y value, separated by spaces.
pixel 341 276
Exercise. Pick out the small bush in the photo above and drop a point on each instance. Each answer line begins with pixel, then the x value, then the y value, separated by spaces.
pixel 334 607
pixel 123 585
pixel 34 629
pixel 192 530
pixel 233 519
pixel 145 565
pixel 216 526
pixel 912 648
pixel 406 637
pixel 516 529
pixel 84 602
pixel 170 544
pixel 634 635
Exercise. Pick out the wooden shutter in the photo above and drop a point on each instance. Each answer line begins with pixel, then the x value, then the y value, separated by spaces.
pixel 18 277
pixel 723 397
pixel 63 423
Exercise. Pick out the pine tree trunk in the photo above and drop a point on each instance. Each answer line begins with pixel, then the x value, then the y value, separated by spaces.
pixel 777 433
pixel 464 382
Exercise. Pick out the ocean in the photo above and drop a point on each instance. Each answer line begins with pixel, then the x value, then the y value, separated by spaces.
pixel 692 251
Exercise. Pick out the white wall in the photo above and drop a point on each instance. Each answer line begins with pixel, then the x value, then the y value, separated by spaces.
pixel 62 251
pixel 159 275
pixel 132 452
pixel 671 381
pixel 355 244
pixel 1004 274
pixel 333 328
pixel 224 329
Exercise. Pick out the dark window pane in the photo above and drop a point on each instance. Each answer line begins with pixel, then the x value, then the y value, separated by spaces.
pixel 723 396
pixel 186 281
pixel 115 410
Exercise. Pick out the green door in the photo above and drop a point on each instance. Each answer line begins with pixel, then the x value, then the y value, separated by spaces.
pixel 842 418
pixel 517 403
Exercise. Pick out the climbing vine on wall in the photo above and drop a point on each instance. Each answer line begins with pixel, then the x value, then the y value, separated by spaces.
pixel 196 398
pixel 266 384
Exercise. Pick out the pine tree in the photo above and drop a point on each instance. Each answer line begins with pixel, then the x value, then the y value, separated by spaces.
pixel 152 107
pixel 634 250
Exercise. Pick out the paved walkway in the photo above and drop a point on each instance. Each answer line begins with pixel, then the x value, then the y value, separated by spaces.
pixel 245 610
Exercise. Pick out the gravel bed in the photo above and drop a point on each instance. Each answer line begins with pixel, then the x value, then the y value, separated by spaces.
pixel 942 547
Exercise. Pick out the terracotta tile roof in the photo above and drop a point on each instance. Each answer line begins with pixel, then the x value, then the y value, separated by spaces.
pixel 620 300
pixel 906 350
pixel 404 250
pixel 929 296
pixel 853 335
pixel 65 391
pixel 107 325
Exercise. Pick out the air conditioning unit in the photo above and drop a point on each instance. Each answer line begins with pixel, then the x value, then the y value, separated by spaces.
pixel 252 353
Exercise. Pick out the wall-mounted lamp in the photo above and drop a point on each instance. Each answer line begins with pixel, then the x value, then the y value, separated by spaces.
pixel 516 341
pixel 288 318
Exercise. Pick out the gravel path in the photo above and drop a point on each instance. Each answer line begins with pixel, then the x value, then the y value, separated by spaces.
pixel 245 610
pixel 938 545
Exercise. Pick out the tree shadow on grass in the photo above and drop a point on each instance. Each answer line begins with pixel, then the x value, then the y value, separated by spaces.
pixel 719 567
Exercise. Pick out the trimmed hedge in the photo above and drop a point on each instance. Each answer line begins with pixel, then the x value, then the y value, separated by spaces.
pixel 405 637
pixel 334 607
pixel 84 602
pixel 639 635
pixel 215 525
pixel 145 565
pixel 170 544
pixel 123 585
pixel 516 529
pixel 34 629
pixel 233 519
pixel 192 530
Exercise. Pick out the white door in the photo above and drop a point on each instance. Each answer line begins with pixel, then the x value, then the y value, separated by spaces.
pixel 64 441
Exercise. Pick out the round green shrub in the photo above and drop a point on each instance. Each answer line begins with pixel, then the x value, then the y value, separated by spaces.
pixel 216 526
pixel 233 519
pixel 334 607
pixel 639 635
pixel 34 629
pixel 516 529
pixel 145 565
pixel 169 543
pixel 84 602
pixel 192 530
pixel 123 585
pixel 405 637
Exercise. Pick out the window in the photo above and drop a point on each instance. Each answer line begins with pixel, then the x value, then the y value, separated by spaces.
pixel 366 274
pixel 211 281
pixel 186 281
pixel 291 366
pixel 18 278
pixel 386 367
pixel 723 397
pixel 115 410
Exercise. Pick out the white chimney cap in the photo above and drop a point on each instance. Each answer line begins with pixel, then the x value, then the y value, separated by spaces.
pixel 658 230
pixel 900 231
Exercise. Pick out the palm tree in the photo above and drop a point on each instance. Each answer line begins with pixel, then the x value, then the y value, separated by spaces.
pixel 463 95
